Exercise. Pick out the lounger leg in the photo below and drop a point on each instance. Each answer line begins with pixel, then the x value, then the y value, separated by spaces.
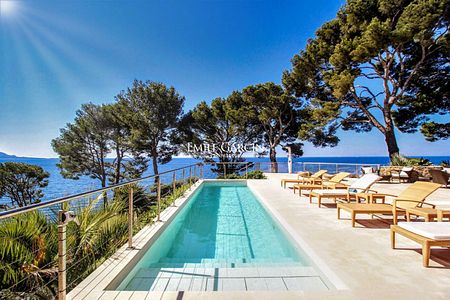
pixel 426 254
pixel 392 239
pixel 353 218
pixel 339 213
pixel 440 216
pixel 319 199
pixel 408 217
pixel 310 197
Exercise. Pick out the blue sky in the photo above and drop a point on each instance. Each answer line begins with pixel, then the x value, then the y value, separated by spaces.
pixel 56 55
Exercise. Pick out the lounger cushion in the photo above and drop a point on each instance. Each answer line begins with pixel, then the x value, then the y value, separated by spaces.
pixel 367 170
pixel 365 182
pixel 431 230
pixel 330 192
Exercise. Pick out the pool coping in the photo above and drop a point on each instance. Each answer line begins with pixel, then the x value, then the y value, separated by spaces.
pixel 330 275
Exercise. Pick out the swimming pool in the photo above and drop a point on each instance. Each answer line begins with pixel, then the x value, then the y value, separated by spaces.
pixel 222 227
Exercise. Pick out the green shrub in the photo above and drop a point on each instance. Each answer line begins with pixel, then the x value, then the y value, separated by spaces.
pixel 404 161
pixel 28 248
pixel 140 198
pixel 445 163
pixel 419 161
pixel 256 174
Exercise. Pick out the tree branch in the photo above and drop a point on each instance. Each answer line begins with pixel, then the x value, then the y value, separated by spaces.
pixel 369 115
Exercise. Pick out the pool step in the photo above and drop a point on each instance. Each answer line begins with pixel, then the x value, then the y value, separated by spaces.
pixel 227 279
pixel 225 265
pixel 230 263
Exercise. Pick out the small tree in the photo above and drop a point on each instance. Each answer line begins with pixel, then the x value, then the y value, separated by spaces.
pixel 277 114
pixel 216 129
pixel 379 64
pixel 152 111
pixel 128 162
pixel 84 145
pixel 22 183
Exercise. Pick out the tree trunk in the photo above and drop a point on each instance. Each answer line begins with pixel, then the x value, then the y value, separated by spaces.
pixel 155 163
pixel 105 199
pixel 391 142
pixel 118 164
pixel 273 160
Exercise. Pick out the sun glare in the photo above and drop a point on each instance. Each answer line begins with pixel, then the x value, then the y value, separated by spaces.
pixel 7 7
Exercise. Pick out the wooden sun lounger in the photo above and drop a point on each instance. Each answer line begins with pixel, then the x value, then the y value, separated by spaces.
pixel 362 208
pixel 362 184
pixel 411 197
pixel 314 178
pixel 426 242
pixel 429 214
pixel 333 183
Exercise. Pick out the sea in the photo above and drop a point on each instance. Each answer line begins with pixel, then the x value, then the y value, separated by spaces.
pixel 59 186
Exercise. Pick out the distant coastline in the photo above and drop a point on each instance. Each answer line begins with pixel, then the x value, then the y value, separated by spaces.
pixel 59 186
pixel 4 155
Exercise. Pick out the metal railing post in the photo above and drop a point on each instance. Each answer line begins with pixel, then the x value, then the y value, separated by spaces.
pixel 130 218
pixel 62 278
pixel 224 170
pixel 182 177
pixel 203 171
pixel 158 197
pixel 190 176
pixel 174 187
pixel 337 168
pixel 246 170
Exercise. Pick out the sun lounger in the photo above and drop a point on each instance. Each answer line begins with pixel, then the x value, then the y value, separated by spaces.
pixel 428 213
pixel 402 175
pixel 428 234
pixel 361 185
pixel 412 196
pixel 314 178
pixel 333 183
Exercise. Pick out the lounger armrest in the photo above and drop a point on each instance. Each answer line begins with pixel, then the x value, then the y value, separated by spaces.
pixel 394 203
pixel 425 203
pixel 338 184
pixel 373 191
pixel 390 195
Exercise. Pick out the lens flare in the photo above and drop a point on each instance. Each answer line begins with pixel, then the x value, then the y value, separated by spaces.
pixel 7 7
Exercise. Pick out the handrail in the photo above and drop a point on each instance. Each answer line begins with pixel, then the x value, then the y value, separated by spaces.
pixel 338 163
pixel 33 207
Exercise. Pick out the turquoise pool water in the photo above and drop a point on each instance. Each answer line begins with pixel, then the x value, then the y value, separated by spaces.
pixel 222 225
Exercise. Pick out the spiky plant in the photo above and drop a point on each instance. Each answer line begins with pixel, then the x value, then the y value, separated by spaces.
pixel 98 234
pixel 28 247
pixel 399 160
